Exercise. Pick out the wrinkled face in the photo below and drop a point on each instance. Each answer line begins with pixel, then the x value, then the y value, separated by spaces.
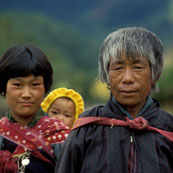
pixel 130 81
pixel 24 95
pixel 64 110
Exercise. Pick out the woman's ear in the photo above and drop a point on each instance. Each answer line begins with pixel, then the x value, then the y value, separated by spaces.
pixel 3 94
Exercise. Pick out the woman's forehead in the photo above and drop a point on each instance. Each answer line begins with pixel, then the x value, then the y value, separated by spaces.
pixel 133 56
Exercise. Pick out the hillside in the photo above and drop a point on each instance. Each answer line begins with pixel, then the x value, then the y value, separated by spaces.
pixel 99 17
pixel 73 56
pixel 70 32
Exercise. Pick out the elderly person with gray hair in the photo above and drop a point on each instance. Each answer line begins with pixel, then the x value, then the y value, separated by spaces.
pixel 130 133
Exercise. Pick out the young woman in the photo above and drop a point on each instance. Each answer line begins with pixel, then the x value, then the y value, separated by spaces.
pixel 28 138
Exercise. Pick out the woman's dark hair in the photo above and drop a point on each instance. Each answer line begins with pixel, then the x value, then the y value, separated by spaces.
pixel 22 61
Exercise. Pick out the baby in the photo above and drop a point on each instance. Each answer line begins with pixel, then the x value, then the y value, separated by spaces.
pixel 64 104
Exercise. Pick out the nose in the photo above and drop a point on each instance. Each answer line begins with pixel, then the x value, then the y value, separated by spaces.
pixel 60 117
pixel 26 92
pixel 128 76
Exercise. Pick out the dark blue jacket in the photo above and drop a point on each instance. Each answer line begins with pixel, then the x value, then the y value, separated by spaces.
pixel 102 149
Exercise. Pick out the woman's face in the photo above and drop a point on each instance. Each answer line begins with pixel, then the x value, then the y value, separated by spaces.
pixel 24 96
pixel 130 81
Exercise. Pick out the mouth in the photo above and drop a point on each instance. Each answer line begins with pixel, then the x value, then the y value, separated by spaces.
pixel 26 104
pixel 128 92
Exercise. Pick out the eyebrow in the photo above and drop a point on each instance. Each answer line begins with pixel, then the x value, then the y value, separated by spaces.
pixel 37 78
pixel 116 62
pixel 134 60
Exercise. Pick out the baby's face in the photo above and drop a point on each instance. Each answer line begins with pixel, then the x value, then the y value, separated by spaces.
pixel 64 110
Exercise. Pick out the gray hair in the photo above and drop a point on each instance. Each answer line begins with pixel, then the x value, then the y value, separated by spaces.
pixel 134 41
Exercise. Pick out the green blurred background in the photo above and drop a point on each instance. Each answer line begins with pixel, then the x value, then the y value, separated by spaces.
pixel 70 32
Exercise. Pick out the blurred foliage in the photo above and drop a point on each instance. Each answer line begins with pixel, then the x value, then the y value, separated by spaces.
pixel 99 91
pixel 165 82
pixel 3 107
pixel 71 35
pixel 74 66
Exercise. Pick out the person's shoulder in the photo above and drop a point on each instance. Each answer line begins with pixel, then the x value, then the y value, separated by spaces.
pixel 93 112
pixel 166 115
pixel 163 114
pixel 165 119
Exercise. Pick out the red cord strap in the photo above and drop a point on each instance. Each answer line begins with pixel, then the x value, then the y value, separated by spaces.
pixel 138 123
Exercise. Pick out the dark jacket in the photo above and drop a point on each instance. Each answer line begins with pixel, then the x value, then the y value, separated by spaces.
pixel 102 149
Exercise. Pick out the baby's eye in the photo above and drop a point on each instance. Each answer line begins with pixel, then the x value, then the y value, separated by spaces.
pixel 54 112
pixel 68 115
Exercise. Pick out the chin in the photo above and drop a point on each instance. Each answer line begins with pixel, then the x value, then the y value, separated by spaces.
pixel 27 115
pixel 128 103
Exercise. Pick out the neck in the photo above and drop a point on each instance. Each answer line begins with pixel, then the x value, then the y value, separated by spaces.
pixel 134 111
pixel 23 120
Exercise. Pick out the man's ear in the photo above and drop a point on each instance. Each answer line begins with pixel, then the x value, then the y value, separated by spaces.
pixel 108 86
pixel 153 83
